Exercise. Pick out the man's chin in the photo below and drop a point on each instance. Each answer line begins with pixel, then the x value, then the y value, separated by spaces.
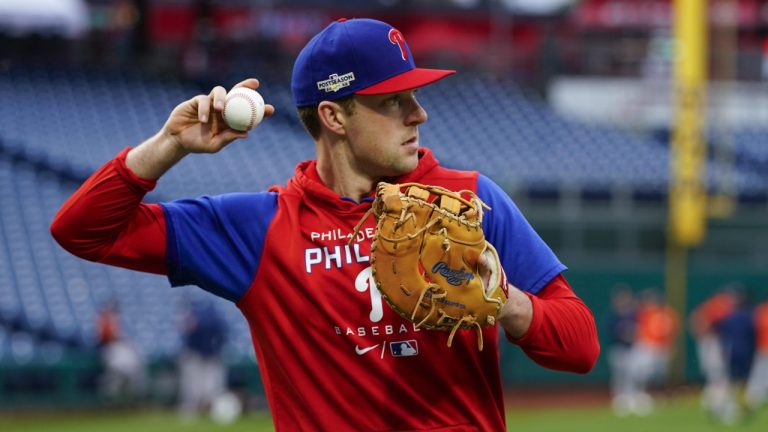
pixel 409 164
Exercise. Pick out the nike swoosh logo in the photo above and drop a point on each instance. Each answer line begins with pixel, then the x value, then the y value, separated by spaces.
pixel 361 351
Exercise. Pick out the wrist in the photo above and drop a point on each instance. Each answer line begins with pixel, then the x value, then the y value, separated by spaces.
pixel 517 313
pixel 169 143
pixel 152 158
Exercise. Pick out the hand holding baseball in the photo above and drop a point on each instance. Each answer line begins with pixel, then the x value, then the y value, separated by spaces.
pixel 198 125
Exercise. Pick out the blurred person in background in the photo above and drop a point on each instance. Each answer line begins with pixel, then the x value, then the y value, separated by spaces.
pixel 737 336
pixel 123 378
pixel 658 326
pixel 622 329
pixel 717 396
pixel 757 383
pixel 331 355
pixel 202 373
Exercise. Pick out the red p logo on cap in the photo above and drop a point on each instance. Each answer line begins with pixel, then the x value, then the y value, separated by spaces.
pixel 397 38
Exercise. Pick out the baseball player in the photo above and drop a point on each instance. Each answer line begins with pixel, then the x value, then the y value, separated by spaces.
pixel 717 395
pixel 657 328
pixel 757 384
pixel 332 355
pixel 622 330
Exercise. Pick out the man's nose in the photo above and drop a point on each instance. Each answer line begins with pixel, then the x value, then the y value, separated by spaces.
pixel 417 116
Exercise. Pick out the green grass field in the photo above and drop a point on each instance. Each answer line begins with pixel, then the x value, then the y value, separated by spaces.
pixel 678 415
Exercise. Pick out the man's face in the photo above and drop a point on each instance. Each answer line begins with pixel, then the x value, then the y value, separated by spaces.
pixel 383 133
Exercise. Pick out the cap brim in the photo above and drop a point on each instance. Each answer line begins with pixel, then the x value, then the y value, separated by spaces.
pixel 412 79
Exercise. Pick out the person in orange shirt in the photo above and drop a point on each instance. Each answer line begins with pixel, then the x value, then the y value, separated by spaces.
pixel 658 326
pixel 108 325
pixel 757 383
pixel 717 395
pixel 123 377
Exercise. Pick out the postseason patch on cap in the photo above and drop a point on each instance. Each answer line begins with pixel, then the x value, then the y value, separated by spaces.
pixel 336 82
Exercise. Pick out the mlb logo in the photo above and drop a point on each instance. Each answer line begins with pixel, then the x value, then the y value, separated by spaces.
pixel 405 348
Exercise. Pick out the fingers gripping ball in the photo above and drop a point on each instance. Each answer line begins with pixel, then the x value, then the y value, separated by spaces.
pixel 243 109
pixel 425 258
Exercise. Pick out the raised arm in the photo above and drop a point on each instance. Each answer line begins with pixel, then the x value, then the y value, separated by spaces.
pixel 195 126
pixel 105 220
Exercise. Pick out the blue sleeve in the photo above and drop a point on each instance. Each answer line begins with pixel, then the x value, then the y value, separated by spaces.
pixel 216 242
pixel 529 263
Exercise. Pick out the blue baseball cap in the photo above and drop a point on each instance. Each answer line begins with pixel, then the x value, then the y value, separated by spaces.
pixel 357 56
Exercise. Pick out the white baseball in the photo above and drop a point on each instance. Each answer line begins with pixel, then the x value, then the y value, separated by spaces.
pixel 243 109
pixel 226 408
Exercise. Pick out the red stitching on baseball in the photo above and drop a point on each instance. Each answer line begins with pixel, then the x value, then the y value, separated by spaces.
pixel 250 102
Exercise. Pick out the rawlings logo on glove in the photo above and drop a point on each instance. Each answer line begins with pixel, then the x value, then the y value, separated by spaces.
pixel 453 277
pixel 425 256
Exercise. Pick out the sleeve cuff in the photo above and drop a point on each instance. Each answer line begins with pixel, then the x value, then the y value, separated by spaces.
pixel 139 184
pixel 538 315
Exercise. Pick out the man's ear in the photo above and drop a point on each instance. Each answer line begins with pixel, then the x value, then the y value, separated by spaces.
pixel 332 117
